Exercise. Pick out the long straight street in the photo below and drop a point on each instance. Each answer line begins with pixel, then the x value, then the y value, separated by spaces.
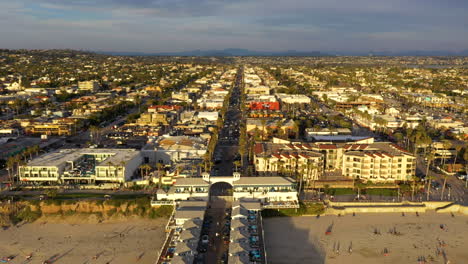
pixel 214 244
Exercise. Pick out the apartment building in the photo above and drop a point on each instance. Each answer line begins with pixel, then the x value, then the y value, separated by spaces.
pixel 281 159
pixel 55 127
pixel 77 165
pixel 153 119
pixel 380 161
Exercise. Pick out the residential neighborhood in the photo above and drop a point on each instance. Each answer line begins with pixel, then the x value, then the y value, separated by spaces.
pixel 231 141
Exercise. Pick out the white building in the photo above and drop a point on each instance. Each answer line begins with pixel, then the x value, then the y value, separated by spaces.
pixel 90 165
pixel 263 189
pixel 168 149
pixel 210 116
pixel 294 98
pixel 89 86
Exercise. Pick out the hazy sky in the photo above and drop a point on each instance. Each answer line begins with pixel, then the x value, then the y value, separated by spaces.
pixel 269 25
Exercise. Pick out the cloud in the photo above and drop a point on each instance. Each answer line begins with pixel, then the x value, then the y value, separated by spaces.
pixel 170 25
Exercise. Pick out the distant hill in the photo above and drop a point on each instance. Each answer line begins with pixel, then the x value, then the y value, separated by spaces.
pixel 222 53
pixel 406 53
pixel 245 52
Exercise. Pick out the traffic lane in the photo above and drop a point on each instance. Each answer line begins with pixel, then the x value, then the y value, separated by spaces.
pixel 457 188
pixel 216 246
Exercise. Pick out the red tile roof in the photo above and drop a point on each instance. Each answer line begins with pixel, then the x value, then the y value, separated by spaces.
pixel 327 146
pixel 258 148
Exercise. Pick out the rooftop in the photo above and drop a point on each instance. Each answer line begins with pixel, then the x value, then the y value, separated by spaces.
pixel 62 156
pixel 264 181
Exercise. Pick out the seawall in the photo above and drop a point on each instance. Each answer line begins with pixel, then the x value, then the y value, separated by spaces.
pixel 342 208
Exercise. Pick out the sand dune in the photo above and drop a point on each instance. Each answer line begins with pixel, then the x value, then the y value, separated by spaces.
pixel 407 239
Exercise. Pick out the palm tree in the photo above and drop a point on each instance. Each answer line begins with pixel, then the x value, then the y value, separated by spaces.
pixel 122 167
pixel 313 171
pixel 446 145
pixel 413 186
pixel 265 169
pixel 301 175
pixel 142 168
pixel 359 185
pixel 27 152
pixel 159 167
pixel 430 157
pixel 10 167
pixel 281 167
pixel 36 149
pixel 109 165
pixel 465 158
pixel 18 162
pixel 457 150
pixel 237 163
pixel 263 128
pixel 443 186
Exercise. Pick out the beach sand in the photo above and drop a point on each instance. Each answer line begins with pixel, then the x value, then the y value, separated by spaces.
pixel 303 239
pixel 117 242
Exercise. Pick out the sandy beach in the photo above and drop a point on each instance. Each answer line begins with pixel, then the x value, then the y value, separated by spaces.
pixel 372 238
pixel 117 242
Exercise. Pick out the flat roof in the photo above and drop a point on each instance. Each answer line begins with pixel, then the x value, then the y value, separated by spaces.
pixel 189 214
pixel 191 182
pixel 264 181
pixel 62 156
pixel 341 138
pixel 191 204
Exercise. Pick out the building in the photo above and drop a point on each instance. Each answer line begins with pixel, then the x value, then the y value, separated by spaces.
pixel 260 105
pixel 82 165
pixel 55 127
pixel 263 189
pixel 210 116
pixel 286 125
pixel 278 159
pixel 293 98
pixel 154 119
pixel 260 89
pixel 91 86
pixel 169 149
pixel 380 161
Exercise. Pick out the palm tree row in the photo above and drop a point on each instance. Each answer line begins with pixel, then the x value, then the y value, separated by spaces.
pixel 14 162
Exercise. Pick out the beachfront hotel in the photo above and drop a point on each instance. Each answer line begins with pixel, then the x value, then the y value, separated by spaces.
pixel 362 159
pixel 82 165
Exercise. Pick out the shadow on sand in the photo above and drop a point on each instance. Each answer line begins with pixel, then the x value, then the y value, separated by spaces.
pixel 289 243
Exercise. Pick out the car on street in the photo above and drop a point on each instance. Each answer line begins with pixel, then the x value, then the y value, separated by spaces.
pixel 205 239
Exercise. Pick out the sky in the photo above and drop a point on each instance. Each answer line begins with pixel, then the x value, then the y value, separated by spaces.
pixel 263 25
